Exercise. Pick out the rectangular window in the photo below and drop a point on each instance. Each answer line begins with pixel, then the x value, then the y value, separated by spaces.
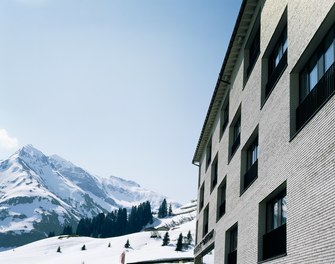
pixel 252 164
pixel 224 116
pixel 254 50
pixel 205 221
pixel 221 203
pixel 232 250
pixel 214 173
pixel 201 197
pixel 274 241
pixel 236 136
pixel 209 153
pixel 277 62
pixel 317 83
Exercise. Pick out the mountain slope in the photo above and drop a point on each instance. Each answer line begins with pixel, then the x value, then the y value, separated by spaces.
pixel 142 246
pixel 40 193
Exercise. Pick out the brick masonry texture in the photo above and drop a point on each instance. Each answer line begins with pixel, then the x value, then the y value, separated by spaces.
pixel 306 162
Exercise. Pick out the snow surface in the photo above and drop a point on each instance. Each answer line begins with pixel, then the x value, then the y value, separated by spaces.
pixel 142 247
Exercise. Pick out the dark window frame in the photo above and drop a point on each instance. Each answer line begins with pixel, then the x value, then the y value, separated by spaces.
pixel 224 118
pixel 232 245
pixel 221 199
pixel 277 62
pixel 214 172
pixel 205 224
pixel 313 96
pixel 209 153
pixel 274 239
pixel 201 196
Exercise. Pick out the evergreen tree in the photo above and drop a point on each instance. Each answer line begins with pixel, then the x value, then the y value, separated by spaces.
pixel 127 245
pixel 59 250
pixel 189 238
pixel 170 210
pixel 162 210
pixel 166 239
pixel 179 246
pixel 109 244
pixel 83 247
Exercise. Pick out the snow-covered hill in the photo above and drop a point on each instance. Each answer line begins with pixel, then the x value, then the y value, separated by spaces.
pixel 142 246
pixel 40 194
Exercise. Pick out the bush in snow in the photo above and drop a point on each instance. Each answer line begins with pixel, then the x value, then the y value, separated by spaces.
pixel 83 247
pixel 127 245
pixel 59 250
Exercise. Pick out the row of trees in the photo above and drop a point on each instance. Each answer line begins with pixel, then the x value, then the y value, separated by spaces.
pixel 181 242
pixel 116 223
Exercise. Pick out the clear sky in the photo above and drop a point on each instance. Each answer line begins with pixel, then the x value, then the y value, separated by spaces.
pixel 118 87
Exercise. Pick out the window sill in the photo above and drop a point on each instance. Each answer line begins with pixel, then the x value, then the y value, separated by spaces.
pixel 273 258
pixel 246 188
pixel 273 87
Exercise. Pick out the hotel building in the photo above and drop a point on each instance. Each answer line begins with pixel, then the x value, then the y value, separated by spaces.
pixel 266 152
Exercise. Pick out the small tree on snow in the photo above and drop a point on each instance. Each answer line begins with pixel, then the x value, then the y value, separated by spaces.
pixel 189 238
pixel 83 247
pixel 166 239
pixel 170 210
pixel 127 245
pixel 179 246
pixel 59 250
pixel 109 244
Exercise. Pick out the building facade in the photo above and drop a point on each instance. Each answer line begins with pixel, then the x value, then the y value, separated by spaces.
pixel 266 153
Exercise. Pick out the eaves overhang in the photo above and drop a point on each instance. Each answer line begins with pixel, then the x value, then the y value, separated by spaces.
pixel 244 19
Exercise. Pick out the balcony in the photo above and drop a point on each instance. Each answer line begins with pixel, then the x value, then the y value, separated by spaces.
pixel 319 95
pixel 232 257
pixel 235 145
pixel 274 77
pixel 251 174
pixel 274 242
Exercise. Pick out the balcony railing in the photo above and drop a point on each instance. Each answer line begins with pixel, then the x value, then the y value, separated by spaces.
pixel 251 174
pixel 322 91
pixel 232 257
pixel 236 144
pixel 274 77
pixel 274 242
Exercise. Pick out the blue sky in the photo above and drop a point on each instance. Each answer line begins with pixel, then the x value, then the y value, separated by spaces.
pixel 117 87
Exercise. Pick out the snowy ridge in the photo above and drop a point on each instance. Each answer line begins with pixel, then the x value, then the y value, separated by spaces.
pixel 40 194
pixel 142 247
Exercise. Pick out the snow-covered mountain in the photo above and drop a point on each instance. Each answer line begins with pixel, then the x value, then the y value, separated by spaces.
pixel 143 246
pixel 41 194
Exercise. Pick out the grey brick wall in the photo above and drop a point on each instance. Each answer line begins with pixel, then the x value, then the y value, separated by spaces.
pixel 306 162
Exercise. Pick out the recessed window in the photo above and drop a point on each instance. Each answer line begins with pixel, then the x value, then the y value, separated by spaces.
pixel 214 173
pixel 201 197
pixel 205 221
pixel 272 224
pixel 274 241
pixel 252 49
pixel 232 245
pixel 221 203
pixel 209 153
pixel 224 117
pixel 252 164
pixel 277 62
pixel 236 135
pixel 316 83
